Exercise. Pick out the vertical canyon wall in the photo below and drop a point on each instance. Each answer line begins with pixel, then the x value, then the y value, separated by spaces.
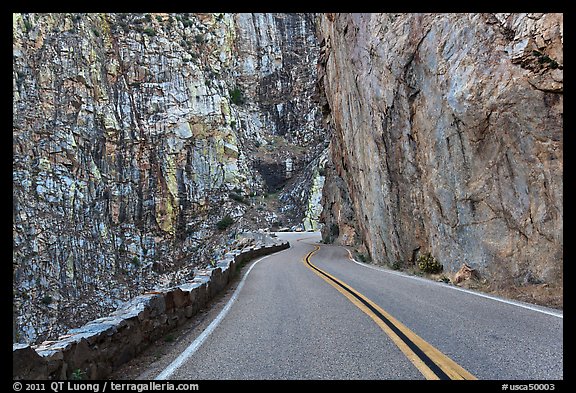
pixel 134 135
pixel 447 139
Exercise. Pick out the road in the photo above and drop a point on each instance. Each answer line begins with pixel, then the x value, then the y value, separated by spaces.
pixel 310 312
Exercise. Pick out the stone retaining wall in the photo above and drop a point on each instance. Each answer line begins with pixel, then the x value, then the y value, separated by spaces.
pixel 102 345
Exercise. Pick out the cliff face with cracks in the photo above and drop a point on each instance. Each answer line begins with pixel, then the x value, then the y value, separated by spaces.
pixel 134 134
pixel 447 139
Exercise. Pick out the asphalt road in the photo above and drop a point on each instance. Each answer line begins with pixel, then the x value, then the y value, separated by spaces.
pixel 289 322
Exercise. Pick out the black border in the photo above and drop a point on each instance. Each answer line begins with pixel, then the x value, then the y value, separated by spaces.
pixel 294 6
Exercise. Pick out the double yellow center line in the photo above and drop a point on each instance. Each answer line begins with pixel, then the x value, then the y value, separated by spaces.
pixel 432 363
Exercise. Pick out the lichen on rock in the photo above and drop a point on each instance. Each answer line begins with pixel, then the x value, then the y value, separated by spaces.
pixel 126 144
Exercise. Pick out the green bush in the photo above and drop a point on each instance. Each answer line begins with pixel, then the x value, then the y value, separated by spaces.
pixel 237 198
pixel 150 31
pixel 169 338
pixel 428 264
pixel 78 374
pixel 542 58
pixel 236 96
pixel 46 300
pixel 396 265
pixel 225 222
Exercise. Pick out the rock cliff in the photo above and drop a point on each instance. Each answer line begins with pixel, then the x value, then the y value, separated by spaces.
pixel 447 139
pixel 142 143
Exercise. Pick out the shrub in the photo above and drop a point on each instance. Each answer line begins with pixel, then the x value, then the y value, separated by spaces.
pixel 225 222
pixel 542 59
pixel 46 300
pixel 428 264
pixel 150 31
pixel 335 230
pixel 363 257
pixel 78 374
pixel 169 338
pixel 237 197
pixel 396 265
pixel 199 38
pixel 236 96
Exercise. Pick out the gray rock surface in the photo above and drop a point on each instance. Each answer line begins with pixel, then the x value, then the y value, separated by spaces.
pixel 134 135
pixel 96 349
pixel 447 139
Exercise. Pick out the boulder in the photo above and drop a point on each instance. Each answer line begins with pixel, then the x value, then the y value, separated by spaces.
pixel 27 364
pixel 466 273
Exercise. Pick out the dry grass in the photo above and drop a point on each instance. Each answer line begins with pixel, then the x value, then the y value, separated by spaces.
pixel 540 294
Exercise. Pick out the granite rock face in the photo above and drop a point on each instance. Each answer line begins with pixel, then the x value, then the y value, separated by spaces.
pixel 101 346
pixel 134 135
pixel 447 139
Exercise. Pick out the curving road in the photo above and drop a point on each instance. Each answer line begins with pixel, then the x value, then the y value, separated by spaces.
pixel 310 312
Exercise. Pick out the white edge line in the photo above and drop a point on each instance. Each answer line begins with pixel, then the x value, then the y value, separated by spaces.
pixel 554 314
pixel 193 347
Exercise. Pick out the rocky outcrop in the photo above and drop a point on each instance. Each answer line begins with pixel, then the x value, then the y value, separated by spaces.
pixel 447 139
pixel 142 143
pixel 98 348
